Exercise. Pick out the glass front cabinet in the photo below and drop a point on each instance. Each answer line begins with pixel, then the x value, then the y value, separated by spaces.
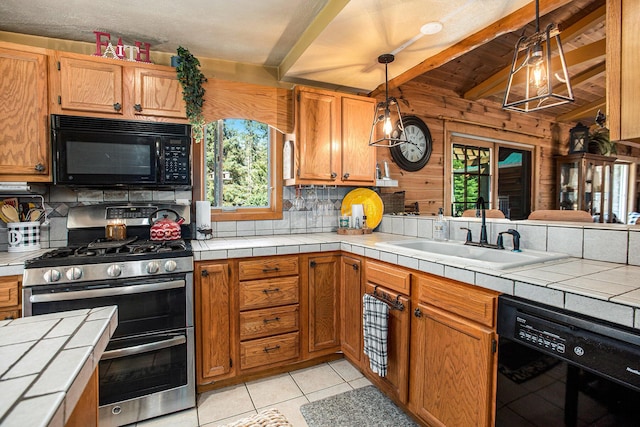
pixel 584 183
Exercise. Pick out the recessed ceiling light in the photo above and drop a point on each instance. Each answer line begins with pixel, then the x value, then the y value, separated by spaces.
pixel 431 28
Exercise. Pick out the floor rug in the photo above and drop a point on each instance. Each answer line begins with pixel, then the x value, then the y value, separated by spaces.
pixel 362 407
pixel 520 363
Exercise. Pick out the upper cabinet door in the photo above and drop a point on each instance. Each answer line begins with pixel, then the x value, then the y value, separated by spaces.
pixel 90 85
pixel 318 136
pixel 158 93
pixel 358 158
pixel 24 147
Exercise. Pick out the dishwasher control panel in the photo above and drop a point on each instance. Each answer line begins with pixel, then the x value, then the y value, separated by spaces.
pixel 539 337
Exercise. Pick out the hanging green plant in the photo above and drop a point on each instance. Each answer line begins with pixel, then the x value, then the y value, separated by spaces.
pixel 191 79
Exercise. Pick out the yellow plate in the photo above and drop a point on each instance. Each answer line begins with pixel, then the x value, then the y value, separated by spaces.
pixel 371 201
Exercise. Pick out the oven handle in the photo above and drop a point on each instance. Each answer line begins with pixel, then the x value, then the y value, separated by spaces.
pixel 144 348
pixel 107 292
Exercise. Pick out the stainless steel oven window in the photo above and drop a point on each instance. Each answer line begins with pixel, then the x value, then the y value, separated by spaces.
pixel 146 306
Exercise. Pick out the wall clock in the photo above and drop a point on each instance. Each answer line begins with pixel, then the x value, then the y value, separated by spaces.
pixel 415 154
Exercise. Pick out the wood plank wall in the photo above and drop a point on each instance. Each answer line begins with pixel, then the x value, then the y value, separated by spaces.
pixel 434 106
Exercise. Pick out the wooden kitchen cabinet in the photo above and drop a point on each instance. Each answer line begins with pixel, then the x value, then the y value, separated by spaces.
pixel 453 359
pixel 269 311
pixel 351 307
pixel 102 87
pixel 382 279
pixel 213 321
pixel 322 295
pixel 623 60
pixel 10 297
pixel 24 146
pixel 332 139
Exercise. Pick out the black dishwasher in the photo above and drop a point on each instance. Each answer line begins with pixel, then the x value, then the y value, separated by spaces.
pixel 561 368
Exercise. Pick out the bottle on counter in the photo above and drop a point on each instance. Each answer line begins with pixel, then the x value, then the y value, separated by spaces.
pixel 364 222
pixel 440 226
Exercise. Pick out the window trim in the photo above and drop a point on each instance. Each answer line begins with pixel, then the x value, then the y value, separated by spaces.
pixel 492 138
pixel 246 214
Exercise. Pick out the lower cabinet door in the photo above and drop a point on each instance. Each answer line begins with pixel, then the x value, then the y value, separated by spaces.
pixel 452 369
pixel 396 381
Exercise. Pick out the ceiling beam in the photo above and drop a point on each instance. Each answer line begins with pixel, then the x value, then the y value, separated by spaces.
pixel 587 110
pixel 512 22
pixel 322 19
pixel 498 82
pixel 487 87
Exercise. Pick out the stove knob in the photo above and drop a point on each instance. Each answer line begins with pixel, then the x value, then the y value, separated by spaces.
pixel 153 267
pixel 114 270
pixel 170 265
pixel 52 275
pixel 74 273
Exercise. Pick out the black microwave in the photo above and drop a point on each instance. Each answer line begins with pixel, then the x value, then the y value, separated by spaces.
pixel 92 152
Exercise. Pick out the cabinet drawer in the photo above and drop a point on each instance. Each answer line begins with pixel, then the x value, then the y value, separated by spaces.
pixel 267 351
pixel 269 321
pixel 470 302
pixel 390 277
pixel 268 293
pixel 9 293
pixel 268 267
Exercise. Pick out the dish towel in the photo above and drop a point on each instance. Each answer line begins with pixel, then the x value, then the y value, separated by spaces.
pixel 375 325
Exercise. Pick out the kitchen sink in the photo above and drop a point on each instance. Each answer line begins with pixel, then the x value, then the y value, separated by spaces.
pixel 459 253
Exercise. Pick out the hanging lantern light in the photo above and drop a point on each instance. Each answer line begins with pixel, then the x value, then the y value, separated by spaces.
pixel 387 120
pixel 533 68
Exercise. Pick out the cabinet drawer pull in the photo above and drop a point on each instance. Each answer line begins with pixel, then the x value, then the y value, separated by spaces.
pixel 267 291
pixel 267 321
pixel 274 348
pixel 39 167
pixel 269 270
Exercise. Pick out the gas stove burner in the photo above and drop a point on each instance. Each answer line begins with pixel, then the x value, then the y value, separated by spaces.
pixel 84 251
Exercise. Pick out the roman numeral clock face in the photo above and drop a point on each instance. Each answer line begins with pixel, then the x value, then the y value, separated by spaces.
pixel 415 154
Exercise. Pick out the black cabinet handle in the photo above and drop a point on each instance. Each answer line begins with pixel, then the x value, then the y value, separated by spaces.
pixel 39 167
pixel 355 267
pixel 417 312
pixel 267 291
pixel 345 176
pixel 117 106
pixel 267 321
pixel 269 270
pixel 137 107
pixel 334 175
pixel 268 349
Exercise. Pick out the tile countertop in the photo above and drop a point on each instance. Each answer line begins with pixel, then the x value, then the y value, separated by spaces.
pixel 604 290
pixel 46 362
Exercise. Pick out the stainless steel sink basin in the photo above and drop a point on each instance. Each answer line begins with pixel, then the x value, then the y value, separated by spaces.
pixel 458 253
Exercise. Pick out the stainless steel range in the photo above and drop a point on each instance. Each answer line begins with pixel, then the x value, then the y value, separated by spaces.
pixel 148 367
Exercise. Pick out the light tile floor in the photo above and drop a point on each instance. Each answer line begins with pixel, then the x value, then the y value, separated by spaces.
pixel 285 392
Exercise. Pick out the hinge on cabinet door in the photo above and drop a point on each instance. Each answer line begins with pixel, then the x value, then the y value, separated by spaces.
pixel 204 273
pixel 230 362
pixel 58 65
pixel 298 96
pixel 59 100
pixel 494 346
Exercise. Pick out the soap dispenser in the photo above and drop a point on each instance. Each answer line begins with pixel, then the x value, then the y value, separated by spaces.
pixel 440 226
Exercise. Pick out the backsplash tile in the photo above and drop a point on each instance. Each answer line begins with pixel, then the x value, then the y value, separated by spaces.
pixel 605 245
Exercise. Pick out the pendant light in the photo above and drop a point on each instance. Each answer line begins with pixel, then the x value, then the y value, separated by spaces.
pixel 387 120
pixel 545 80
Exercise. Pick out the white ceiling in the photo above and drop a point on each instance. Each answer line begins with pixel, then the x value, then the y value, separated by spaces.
pixel 332 42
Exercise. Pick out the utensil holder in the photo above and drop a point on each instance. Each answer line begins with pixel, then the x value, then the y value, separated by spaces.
pixel 23 236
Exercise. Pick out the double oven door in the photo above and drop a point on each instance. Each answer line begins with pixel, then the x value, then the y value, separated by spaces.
pixel 148 366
